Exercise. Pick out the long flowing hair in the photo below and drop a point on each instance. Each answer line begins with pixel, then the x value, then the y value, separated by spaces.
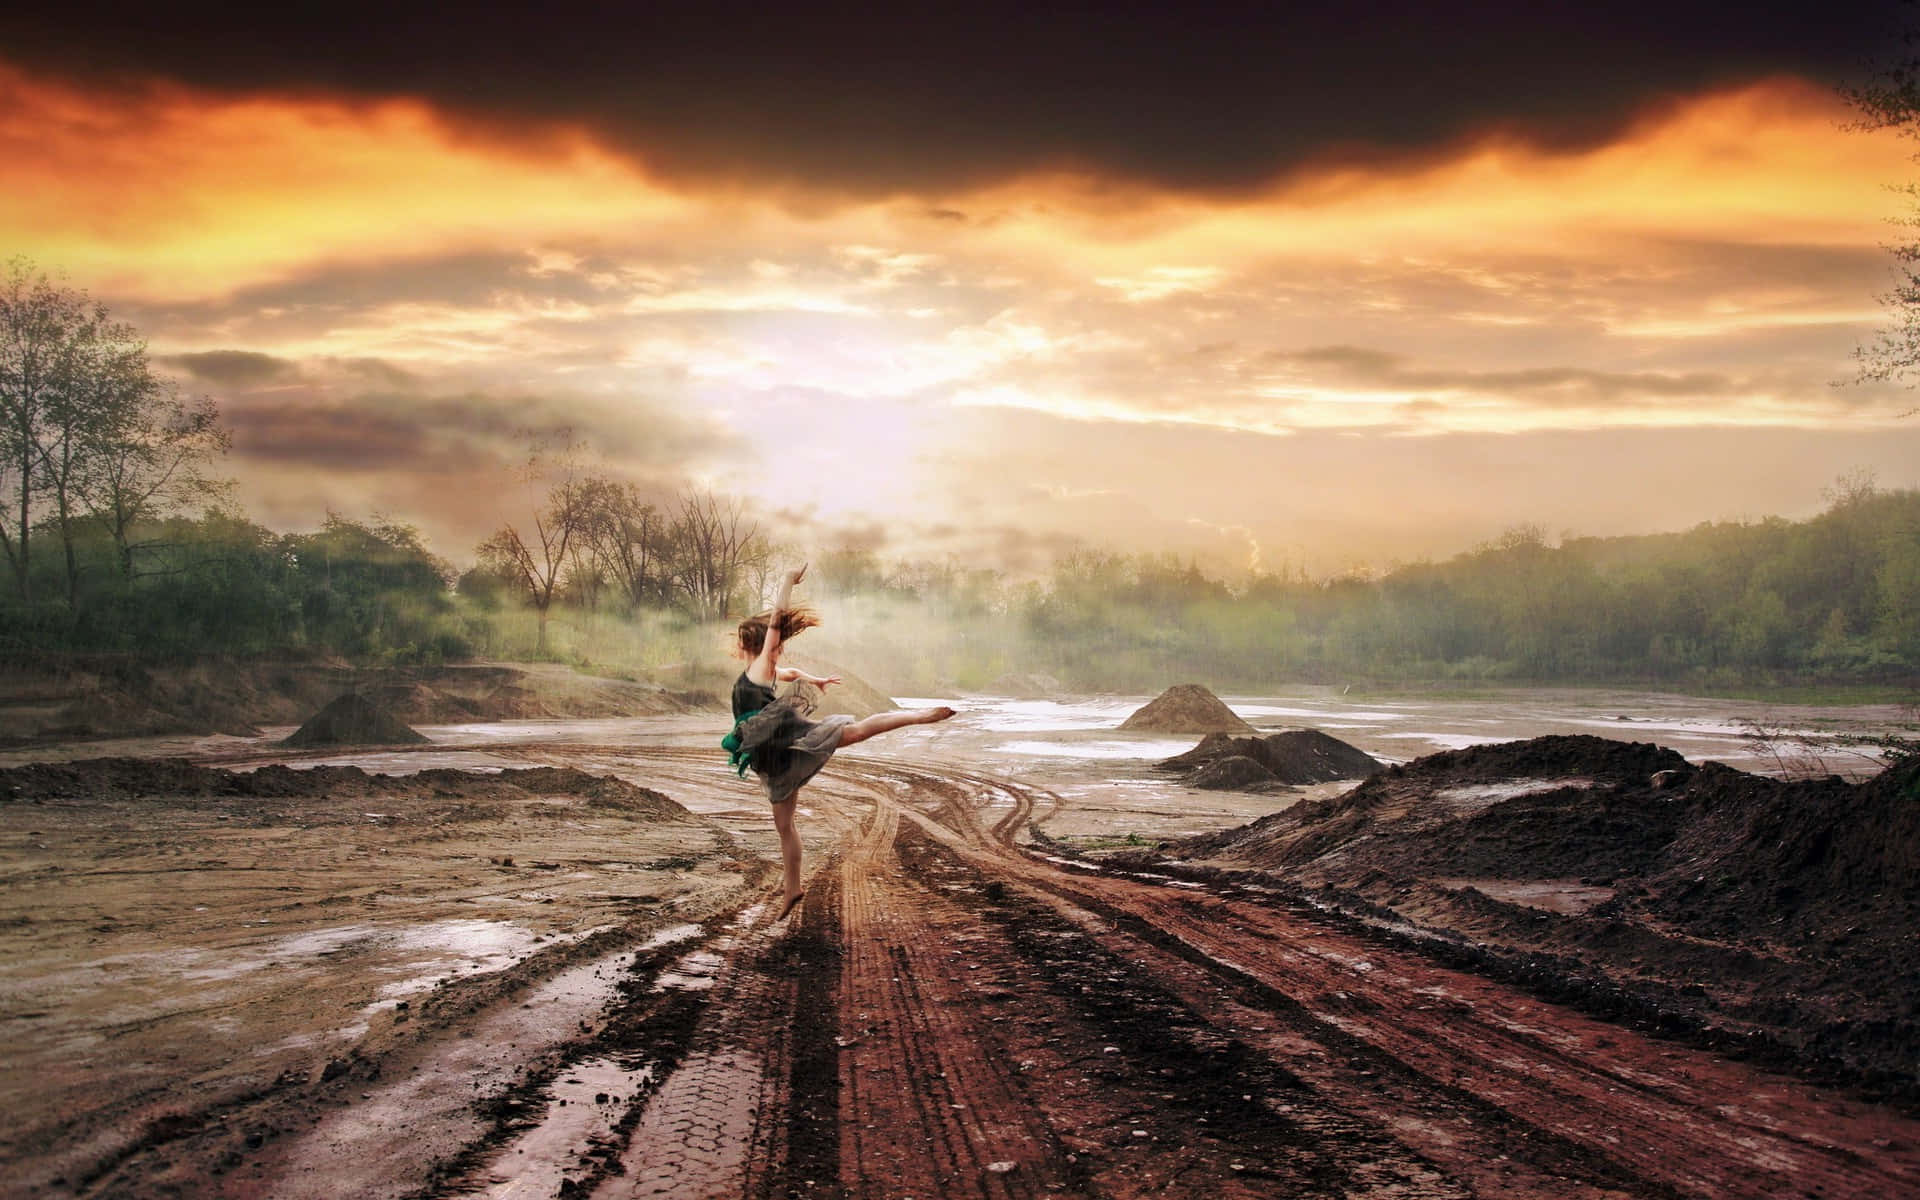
pixel 753 630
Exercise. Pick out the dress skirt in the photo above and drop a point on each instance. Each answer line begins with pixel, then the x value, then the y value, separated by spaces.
pixel 803 757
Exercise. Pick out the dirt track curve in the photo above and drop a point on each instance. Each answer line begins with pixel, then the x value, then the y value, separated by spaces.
pixel 952 1015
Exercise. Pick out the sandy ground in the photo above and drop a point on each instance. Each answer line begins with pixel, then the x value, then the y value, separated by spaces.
pixel 464 989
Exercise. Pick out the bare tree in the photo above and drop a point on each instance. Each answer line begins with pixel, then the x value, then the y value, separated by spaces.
pixel 537 565
pixel 152 461
pixel 712 540
pixel 624 540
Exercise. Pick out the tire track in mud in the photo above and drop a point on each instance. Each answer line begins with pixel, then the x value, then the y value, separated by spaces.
pixel 1666 1119
pixel 703 1131
pixel 928 1105
pixel 948 1015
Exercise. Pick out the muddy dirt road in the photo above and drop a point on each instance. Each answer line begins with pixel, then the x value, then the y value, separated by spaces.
pixel 952 1014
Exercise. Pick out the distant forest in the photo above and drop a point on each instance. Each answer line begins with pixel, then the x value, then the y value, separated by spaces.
pixel 122 539
pixel 1831 599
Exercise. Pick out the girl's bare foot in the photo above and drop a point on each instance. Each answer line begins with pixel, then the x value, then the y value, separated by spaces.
pixel 791 902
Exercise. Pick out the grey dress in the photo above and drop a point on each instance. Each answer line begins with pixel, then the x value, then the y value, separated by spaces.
pixel 785 749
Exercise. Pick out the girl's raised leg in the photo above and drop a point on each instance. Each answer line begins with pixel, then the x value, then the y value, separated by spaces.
pixel 789 851
pixel 866 727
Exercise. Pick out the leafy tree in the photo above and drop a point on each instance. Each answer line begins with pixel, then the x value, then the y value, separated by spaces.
pixel 88 431
pixel 1891 100
pixel 41 325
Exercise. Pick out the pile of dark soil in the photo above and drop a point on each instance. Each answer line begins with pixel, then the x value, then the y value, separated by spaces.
pixel 1823 860
pixel 353 720
pixel 1780 910
pixel 1286 759
pixel 1543 808
pixel 1186 708
pixel 136 778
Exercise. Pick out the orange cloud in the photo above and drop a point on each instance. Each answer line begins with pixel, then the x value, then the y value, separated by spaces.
pixel 162 191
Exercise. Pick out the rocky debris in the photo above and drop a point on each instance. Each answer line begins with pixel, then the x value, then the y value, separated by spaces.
pixel 354 720
pixel 1027 685
pixel 1289 758
pixel 1186 708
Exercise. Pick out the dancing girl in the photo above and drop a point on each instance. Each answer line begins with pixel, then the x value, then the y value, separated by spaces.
pixel 773 735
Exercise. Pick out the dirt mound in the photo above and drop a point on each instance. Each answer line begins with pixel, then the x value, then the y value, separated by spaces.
pixel 1233 773
pixel 114 779
pixel 1822 858
pixel 1777 906
pixel 105 696
pixel 1294 756
pixel 1532 809
pixel 1545 757
pixel 1186 708
pixel 353 720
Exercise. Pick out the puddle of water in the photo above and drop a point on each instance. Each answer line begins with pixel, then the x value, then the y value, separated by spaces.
pixel 1254 708
pixel 1485 795
pixel 1157 749
pixel 1448 741
pixel 695 972
pixel 1050 716
pixel 670 935
pixel 354 1148
pixel 1566 896
pixel 584 1106
pixel 402 762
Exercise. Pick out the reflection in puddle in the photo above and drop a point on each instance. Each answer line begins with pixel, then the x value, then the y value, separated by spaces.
pixel 694 972
pixel 1049 716
pixel 585 1107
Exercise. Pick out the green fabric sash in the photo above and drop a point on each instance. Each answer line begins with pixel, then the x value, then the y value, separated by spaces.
pixel 738 757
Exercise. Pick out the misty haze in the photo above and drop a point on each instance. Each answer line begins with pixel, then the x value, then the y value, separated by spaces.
pixel 1005 601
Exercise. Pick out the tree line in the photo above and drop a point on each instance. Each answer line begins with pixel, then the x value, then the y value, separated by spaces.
pixel 119 537
pixel 598 542
pixel 92 438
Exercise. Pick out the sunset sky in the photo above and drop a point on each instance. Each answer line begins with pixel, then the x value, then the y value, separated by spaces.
pixel 1363 285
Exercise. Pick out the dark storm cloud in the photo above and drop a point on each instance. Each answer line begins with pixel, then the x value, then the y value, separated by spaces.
pixel 1209 95
pixel 347 439
pixel 1361 366
pixel 374 432
pixel 236 368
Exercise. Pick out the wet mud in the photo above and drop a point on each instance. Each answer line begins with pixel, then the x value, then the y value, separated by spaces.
pixel 546 983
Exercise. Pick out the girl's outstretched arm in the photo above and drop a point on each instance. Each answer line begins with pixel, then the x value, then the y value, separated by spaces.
pixel 790 674
pixel 762 669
